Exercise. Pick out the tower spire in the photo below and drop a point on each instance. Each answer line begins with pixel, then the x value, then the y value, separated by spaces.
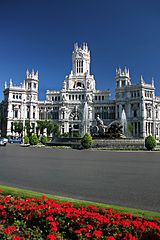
pixel 10 82
pixel 27 73
pixel 141 79
pixel 152 82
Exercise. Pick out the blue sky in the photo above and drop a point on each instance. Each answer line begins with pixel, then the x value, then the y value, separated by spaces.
pixel 40 34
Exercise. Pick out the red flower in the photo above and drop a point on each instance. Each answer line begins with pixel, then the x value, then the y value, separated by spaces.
pixel 90 227
pixel 17 238
pixel 51 236
pixel 110 238
pixel 49 218
pixel 9 229
pixel 97 233
pixel 87 235
pixel 129 236
pixel 53 226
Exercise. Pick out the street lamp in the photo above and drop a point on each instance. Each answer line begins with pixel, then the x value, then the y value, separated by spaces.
pixel 23 119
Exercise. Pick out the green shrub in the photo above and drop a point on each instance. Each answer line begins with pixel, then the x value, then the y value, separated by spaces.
pixel 86 141
pixel 44 140
pixel 26 140
pixel 150 142
pixel 33 139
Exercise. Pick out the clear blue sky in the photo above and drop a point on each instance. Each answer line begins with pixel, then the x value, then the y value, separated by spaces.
pixel 40 34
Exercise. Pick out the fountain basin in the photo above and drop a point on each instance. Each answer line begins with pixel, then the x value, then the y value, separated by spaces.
pixel 74 142
pixel 119 143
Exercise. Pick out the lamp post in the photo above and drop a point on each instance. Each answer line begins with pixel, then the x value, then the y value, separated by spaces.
pixel 23 120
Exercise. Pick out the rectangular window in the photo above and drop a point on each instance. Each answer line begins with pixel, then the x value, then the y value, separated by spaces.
pixel 28 111
pixel 139 128
pixel 16 114
pixel 34 85
pixel 33 114
pixel 69 97
pixel 135 128
pixel 11 126
pixel 77 66
pixel 135 113
pixel 102 98
pixel 123 83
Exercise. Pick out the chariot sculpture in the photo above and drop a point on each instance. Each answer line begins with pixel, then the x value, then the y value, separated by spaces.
pixel 113 130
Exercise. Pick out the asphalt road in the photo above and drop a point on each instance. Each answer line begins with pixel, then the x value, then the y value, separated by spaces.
pixel 128 179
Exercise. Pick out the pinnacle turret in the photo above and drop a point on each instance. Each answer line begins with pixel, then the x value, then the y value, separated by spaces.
pixel 122 77
pixel 32 75
pixel 122 73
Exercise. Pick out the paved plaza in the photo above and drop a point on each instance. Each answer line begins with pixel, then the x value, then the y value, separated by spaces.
pixel 128 179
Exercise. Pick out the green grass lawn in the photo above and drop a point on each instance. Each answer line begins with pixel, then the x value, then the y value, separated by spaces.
pixel 27 193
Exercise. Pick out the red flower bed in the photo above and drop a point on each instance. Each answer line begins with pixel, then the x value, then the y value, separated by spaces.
pixel 44 218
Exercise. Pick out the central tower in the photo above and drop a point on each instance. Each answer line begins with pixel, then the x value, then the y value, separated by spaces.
pixel 81 59
pixel 80 78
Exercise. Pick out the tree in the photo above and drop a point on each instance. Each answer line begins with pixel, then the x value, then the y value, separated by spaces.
pixel 18 127
pixel 28 127
pixel 50 126
pixel 65 135
pixel 41 125
pixel 56 131
pixel 130 129
pixel 150 142
pixel 86 141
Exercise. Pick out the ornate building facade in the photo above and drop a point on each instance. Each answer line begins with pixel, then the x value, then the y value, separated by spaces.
pixel 79 99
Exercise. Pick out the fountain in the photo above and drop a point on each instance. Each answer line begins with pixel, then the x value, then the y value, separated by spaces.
pixel 113 130
pixel 85 118
pixel 124 122
pixel 114 135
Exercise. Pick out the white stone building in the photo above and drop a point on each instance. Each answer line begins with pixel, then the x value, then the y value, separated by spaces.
pixel 66 107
